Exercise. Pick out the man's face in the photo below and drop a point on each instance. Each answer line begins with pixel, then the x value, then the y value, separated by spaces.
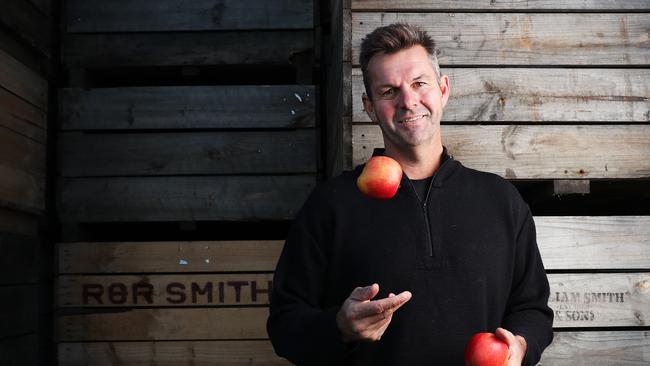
pixel 407 100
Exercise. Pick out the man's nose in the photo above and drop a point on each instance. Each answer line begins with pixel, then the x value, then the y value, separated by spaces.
pixel 408 98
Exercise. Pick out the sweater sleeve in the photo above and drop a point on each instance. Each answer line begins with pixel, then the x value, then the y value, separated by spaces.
pixel 300 328
pixel 527 313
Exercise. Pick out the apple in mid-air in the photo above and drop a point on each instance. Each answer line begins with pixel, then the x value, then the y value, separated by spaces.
pixel 380 178
pixel 486 349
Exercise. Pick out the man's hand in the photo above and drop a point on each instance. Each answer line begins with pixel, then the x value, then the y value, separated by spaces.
pixel 516 344
pixel 361 319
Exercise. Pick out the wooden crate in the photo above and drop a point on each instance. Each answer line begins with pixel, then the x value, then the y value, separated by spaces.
pixel 211 297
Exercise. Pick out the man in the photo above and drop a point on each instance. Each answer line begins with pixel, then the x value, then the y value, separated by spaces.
pixel 408 281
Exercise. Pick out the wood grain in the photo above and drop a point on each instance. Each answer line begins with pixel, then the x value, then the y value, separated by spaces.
pixel 594 242
pixel 164 290
pixel 600 299
pixel 187 48
pixel 259 106
pixel 500 5
pixel 166 257
pixel 537 152
pixel 601 348
pixel 197 15
pixel 522 39
pixel 179 198
pixel 23 82
pixel 28 23
pixel 164 324
pixel 170 353
pixel 188 153
pixel 495 95
pixel 18 108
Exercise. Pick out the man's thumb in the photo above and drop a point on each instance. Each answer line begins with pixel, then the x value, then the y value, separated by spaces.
pixel 365 293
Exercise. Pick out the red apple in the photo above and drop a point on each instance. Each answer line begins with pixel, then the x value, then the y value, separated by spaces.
pixel 485 349
pixel 380 177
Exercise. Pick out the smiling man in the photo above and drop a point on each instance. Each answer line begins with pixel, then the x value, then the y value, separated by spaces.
pixel 408 281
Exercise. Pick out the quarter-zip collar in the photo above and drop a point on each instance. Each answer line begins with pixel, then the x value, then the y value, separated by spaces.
pixel 446 169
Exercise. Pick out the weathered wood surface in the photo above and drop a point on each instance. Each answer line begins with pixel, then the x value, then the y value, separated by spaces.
pixel 523 39
pixel 187 153
pixel 45 6
pixel 601 348
pixel 500 5
pixel 164 324
pixel 166 257
pixel 579 300
pixel 21 127
pixel 19 109
pixel 18 310
pixel 22 171
pixel 290 106
pixel 164 290
pixel 19 262
pixel 197 15
pixel 170 353
pixel 187 48
pixel 600 299
pixel 20 80
pixel 30 24
pixel 183 198
pixel 537 152
pixel 594 242
pixel 19 351
pixel 491 95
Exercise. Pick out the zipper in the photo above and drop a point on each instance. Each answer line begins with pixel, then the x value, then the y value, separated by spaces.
pixel 425 211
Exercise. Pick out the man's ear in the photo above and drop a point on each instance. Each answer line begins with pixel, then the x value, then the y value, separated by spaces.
pixel 368 107
pixel 445 89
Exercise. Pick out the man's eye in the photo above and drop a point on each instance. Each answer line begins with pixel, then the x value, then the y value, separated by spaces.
pixel 420 83
pixel 388 92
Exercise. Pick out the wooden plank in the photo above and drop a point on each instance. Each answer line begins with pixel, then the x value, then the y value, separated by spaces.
pixel 19 262
pixel 185 153
pixel 22 171
pixel 240 198
pixel 23 128
pixel 19 351
pixel 600 299
pixel 45 6
pixel 537 152
pixel 18 310
pixel 258 106
pixel 596 242
pixel 603 348
pixel 170 353
pixel 164 290
pixel 25 83
pixel 189 48
pixel 523 39
pixel 166 257
pixel 164 324
pixel 492 95
pixel 534 5
pixel 197 15
pixel 25 20
pixel 20 109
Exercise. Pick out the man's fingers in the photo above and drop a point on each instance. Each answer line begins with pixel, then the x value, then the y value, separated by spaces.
pixel 506 336
pixel 365 293
pixel 388 304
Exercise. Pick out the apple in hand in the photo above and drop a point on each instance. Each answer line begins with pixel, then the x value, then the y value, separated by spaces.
pixel 380 177
pixel 485 349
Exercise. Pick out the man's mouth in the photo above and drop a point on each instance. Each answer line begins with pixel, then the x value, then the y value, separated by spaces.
pixel 412 119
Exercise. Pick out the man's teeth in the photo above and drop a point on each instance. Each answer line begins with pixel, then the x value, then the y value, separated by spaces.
pixel 412 119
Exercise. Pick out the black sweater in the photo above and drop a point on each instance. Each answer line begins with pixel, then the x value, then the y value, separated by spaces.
pixel 469 257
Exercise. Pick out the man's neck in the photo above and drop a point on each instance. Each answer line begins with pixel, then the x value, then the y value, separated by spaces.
pixel 418 163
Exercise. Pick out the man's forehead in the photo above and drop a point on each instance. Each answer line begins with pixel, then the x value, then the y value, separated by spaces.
pixel 405 64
